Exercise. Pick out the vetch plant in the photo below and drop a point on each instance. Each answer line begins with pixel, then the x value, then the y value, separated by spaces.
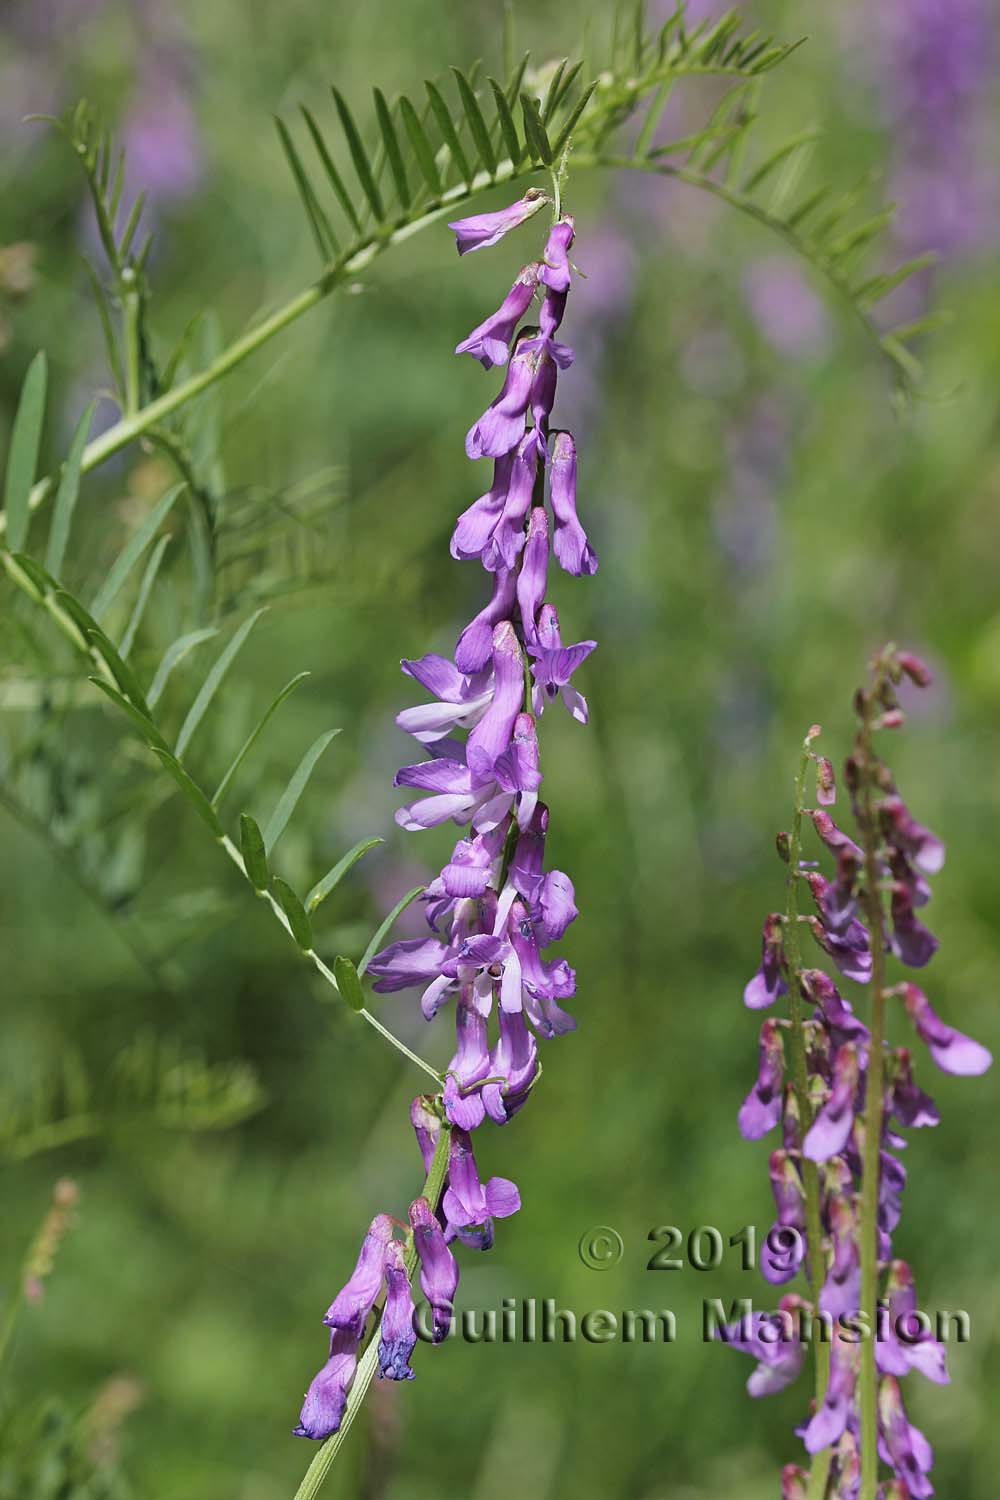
pixel 837 1179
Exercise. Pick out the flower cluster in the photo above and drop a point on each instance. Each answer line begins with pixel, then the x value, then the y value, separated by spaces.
pixel 864 908
pixel 494 909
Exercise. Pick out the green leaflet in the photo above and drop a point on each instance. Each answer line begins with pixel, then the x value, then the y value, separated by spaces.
pixel 22 460
pixel 288 800
pixel 332 879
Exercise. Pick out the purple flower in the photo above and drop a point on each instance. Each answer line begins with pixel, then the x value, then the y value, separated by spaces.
pixel 426 1127
pixel 397 1334
pixel 481 230
pixel 850 949
pixel 555 272
pixel 911 941
pixel 830 1420
pixel 761 1110
pixel 555 664
pixel 530 382
pixel 769 982
pixel 827 1136
pixel 514 1059
pixel 924 848
pixel 951 1050
pixel 534 572
pixel 403 965
pixel 911 1106
pixel 772 1340
pixel 916 1349
pixel 841 1291
pixel 463 699
pixel 352 1304
pixel 904 1445
pixel 438 1267
pixel 469 1066
pixel 323 1407
pixel 573 552
pixel 476 641
pixel 490 342
pixel 833 837
pixel 467 1202
pixel 820 989
pixel 781 1255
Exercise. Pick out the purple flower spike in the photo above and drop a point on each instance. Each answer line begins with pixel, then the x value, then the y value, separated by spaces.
pixel 911 1347
pixel 951 1050
pixel 323 1407
pixel 761 1110
pixel 573 552
pixel 476 641
pixel 769 983
pixel 555 664
pixel 479 231
pixel 555 272
pixel 352 1304
pixel 397 1333
pixel 467 1202
pixel 534 572
pixel 829 1131
pixel 490 342
pixel 438 1267
pixel 911 942
pixel 906 1448
pixel 830 1420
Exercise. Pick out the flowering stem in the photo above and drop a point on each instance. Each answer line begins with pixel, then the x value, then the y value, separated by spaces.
pixel 322 1463
pixel 800 1078
pixel 873 1111
pixel 327 972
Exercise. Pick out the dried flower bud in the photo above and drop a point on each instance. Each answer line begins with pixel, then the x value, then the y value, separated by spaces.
pixel 826 785
pixel 783 844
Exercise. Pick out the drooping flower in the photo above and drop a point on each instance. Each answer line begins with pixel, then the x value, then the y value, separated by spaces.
pixel 438 1267
pixel 355 1300
pixel 479 231
pixel 761 1110
pixel 769 983
pixel 490 341
pixel 323 1407
pixel 950 1049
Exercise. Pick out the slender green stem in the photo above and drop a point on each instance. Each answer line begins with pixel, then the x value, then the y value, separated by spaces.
pixel 321 1464
pixel 327 972
pixel 873 1112
pixel 130 320
pixel 820 1470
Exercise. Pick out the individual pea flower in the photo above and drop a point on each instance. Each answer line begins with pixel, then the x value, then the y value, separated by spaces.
pixel 769 983
pixel 907 1449
pixel 828 1134
pixel 426 1124
pixel 830 1420
pixel 772 1340
pixel 463 698
pixel 916 1350
pixel 438 1267
pixel 533 577
pixel 479 231
pixel 843 1024
pixel 850 949
pixel 475 644
pixel 902 830
pixel 469 1203
pixel 950 1049
pixel 490 341
pixel 529 383
pixel 554 665
pixel 910 1105
pixel 513 1067
pixel 355 1300
pixel 833 837
pixel 912 942
pixel 785 1243
pixel 555 272
pixel 793 1482
pixel 397 1334
pixel 323 1407
pixel 840 1293
pixel 761 1110
pixel 570 545
pixel 470 1065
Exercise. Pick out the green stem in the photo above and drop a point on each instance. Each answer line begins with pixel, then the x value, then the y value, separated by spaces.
pixel 819 1472
pixel 322 1463
pixel 327 972
pixel 130 308
pixel 873 1116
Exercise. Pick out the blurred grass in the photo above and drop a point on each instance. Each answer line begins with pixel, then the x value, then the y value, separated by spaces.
pixel 202 1266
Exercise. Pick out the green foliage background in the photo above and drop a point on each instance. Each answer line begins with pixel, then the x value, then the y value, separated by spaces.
pixel 202 1263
